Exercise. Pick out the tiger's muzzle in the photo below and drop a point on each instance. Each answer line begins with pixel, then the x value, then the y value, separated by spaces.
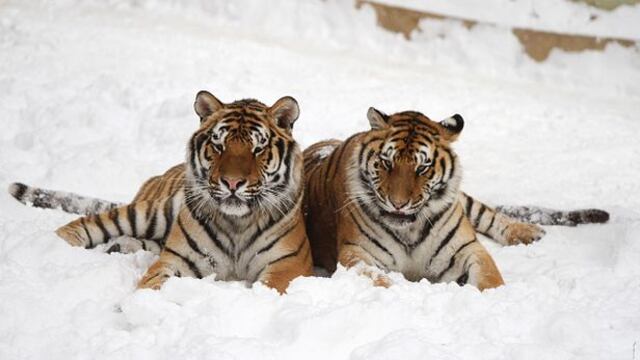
pixel 236 179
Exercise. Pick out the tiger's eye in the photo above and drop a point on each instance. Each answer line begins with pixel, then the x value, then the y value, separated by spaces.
pixel 423 168
pixel 386 164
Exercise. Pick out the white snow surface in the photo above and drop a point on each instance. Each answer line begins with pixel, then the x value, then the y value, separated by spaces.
pixel 96 96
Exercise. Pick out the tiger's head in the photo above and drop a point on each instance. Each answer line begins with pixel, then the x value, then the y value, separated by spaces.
pixel 243 155
pixel 407 164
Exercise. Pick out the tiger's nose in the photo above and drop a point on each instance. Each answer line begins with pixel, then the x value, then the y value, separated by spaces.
pixel 233 183
pixel 398 204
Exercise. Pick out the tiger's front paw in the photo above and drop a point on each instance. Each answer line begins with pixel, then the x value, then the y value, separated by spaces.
pixel 382 281
pixel 377 276
pixel 523 233
pixel 155 277
pixel 72 233
pixel 152 282
pixel 124 245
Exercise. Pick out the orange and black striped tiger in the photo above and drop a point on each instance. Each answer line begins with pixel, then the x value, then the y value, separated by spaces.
pixel 234 208
pixel 390 198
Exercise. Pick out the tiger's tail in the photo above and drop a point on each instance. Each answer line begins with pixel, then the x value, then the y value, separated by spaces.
pixel 546 216
pixel 60 200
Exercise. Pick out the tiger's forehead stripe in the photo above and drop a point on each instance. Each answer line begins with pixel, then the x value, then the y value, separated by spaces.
pixel 244 121
pixel 244 127
pixel 253 115
pixel 408 140
pixel 414 122
pixel 413 131
pixel 240 118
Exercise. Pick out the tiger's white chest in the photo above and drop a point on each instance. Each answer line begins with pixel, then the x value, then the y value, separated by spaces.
pixel 248 248
pixel 234 264
pixel 411 256
pixel 413 264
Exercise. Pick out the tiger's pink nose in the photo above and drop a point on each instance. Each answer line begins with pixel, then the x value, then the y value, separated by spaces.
pixel 233 183
pixel 399 204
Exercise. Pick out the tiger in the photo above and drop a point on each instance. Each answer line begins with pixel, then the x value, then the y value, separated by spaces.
pixel 389 200
pixel 233 208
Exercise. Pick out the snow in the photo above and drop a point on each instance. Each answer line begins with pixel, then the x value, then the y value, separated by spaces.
pixel 95 97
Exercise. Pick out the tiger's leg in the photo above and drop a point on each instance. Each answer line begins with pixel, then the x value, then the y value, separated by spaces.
pixel 279 273
pixel 145 220
pixel 287 259
pixel 473 265
pixel 182 255
pixel 497 226
pixel 351 255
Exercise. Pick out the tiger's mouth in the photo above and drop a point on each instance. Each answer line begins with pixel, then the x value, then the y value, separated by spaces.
pixel 234 200
pixel 396 217
pixel 399 217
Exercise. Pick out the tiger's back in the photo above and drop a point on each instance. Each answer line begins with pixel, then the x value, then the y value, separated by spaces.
pixel 321 202
pixel 162 186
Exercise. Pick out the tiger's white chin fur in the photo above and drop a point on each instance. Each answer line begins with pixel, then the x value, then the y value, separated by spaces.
pixel 235 208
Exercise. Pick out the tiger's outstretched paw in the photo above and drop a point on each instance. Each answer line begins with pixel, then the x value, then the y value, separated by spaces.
pixel 73 234
pixel 523 233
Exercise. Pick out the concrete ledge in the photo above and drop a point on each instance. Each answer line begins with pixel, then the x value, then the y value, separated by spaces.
pixel 537 44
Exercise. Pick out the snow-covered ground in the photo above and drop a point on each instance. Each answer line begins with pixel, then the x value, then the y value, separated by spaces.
pixel 96 96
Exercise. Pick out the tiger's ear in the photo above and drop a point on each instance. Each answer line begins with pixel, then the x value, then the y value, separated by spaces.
pixel 452 127
pixel 377 119
pixel 286 112
pixel 206 104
